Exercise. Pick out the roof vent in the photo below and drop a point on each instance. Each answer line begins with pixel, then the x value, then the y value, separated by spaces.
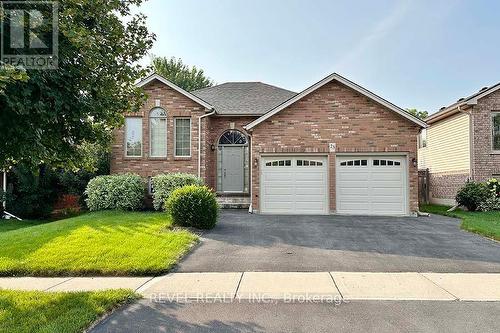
pixel 442 108
pixel 460 99
pixel 483 89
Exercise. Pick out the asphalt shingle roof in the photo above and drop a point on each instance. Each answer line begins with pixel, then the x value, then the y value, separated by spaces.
pixel 243 98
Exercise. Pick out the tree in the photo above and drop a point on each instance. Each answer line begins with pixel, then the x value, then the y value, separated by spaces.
pixel 418 114
pixel 188 78
pixel 50 116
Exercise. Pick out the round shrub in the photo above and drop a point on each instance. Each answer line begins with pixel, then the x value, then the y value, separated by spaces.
pixel 471 195
pixel 124 192
pixel 193 206
pixel 165 184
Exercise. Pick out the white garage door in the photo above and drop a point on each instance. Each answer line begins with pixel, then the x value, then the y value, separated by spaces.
pixel 294 185
pixel 372 185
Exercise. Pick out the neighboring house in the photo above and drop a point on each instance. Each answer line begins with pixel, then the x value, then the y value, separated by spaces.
pixel 333 148
pixel 462 142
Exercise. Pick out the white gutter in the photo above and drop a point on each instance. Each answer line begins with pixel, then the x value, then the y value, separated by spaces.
pixel 199 139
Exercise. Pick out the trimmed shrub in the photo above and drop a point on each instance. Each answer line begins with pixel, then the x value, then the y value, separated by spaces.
pixel 492 203
pixel 165 184
pixel 472 194
pixel 193 206
pixel 124 192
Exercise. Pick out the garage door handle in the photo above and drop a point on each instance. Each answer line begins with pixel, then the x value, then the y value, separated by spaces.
pixel 224 173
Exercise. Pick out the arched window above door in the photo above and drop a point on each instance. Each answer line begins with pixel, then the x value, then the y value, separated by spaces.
pixel 233 137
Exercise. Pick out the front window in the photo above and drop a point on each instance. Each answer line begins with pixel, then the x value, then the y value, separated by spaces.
pixel 422 138
pixel 495 117
pixel 183 137
pixel 133 144
pixel 158 132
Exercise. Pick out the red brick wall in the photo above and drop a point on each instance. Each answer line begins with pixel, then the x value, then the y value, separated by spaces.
pixel 336 113
pixel 485 162
pixel 176 105
pixel 215 127
pixel 444 186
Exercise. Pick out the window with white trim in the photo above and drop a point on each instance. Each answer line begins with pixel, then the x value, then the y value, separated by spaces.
pixel 301 163
pixel 133 137
pixel 354 163
pixel 422 138
pixel 279 163
pixel 158 132
pixel 386 163
pixel 495 130
pixel 182 137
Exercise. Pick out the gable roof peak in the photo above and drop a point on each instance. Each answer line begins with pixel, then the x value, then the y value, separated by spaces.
pixel 339 78
pixel 155 76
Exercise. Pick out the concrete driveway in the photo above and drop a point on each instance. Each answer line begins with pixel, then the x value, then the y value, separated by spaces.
pixel 246 242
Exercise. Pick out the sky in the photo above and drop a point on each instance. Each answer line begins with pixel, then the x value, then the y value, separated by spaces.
pixel 417 54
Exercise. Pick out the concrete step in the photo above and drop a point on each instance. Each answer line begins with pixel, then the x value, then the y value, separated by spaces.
pixel 234 202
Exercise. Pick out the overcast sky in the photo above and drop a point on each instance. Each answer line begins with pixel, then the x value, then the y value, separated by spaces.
pixel 421 54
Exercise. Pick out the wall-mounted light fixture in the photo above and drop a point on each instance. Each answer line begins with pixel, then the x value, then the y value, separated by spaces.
pixel 212 147
pixel 414 161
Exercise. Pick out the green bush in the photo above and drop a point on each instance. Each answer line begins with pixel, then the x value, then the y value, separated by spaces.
pixel 193 206
pixel 494 186
pixel 124 192
pixel 165 184
pixel 472 194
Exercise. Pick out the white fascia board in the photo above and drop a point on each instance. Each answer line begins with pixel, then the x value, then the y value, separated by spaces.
pixel 160 78
pixel 346 82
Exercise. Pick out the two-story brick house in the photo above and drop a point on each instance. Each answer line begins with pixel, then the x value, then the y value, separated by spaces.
pixel 462 142
pixel 334 147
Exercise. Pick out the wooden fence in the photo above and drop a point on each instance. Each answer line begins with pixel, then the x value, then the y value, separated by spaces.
pixel 423 186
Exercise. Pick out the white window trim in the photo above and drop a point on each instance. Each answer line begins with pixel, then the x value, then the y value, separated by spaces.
pixel 125 138
pixel 150 137
pixel 175 136
pixel 493 114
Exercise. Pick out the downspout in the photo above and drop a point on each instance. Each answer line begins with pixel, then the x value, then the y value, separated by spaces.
pixel 199 139
pixel 4 186
pixel 471 140
pixel 250 180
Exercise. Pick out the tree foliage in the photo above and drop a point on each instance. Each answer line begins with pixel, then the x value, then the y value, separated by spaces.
pixel 48 117
pixel 418 114
pixel 186 77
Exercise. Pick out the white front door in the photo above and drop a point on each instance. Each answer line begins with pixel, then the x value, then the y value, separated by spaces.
pixel 294 185
pixel 372 185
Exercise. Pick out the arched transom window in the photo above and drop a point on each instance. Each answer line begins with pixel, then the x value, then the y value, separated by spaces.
pixel 233 137
pixel 158 132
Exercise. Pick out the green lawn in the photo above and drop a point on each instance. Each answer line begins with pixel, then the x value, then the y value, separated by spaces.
pixel 100 243
pixel 35 311
pixel 483 223
pixel 13 224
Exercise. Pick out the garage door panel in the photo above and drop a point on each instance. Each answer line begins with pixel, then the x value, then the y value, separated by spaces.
pixel 372 189
pixel 295 189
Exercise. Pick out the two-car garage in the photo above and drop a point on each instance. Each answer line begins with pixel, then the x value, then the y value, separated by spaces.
pixel 364 184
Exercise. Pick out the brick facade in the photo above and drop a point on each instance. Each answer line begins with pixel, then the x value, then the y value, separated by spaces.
pixel 485 162
pixel 332 113
pixel 336 113
pixel 443 187
pixel 176 105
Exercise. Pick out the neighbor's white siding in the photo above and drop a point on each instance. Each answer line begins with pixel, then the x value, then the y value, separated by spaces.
pixel 448 146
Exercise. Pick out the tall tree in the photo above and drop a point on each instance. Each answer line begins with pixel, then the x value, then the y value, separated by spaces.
pixel 48 117
pixel 186 77
pixel 418 114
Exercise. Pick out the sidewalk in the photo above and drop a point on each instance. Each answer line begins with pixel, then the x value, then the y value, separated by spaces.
pixel 291 286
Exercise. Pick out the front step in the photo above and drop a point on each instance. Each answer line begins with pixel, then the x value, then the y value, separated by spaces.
pixel 233 202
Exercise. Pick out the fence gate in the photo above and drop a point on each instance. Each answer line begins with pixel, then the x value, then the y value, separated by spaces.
pixel 423 186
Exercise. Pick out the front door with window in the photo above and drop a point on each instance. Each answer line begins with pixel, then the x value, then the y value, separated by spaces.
pixel 232 162
pixel 232 169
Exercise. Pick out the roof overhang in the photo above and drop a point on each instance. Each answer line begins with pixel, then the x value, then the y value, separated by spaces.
pixel 163 80
pixel 461 105
pixel 343 81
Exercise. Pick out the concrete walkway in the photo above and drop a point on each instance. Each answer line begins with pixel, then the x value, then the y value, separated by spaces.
pixel 288 286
